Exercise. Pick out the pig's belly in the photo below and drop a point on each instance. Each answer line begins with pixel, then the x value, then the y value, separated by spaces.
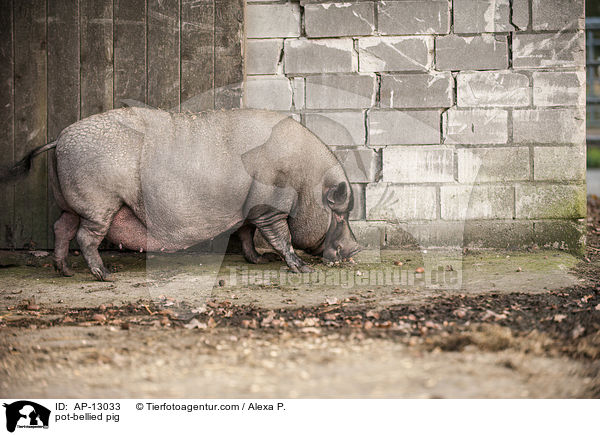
pixel 127 231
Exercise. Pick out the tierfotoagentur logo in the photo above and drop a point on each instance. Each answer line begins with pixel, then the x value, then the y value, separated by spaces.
pixel 25 414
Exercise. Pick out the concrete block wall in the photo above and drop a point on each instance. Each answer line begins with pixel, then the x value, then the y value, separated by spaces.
pixel 459 122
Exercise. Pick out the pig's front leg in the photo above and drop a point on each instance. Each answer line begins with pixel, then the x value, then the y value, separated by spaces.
pixel 275 229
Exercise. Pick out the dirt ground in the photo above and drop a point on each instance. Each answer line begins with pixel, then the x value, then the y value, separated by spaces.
pixel 395 324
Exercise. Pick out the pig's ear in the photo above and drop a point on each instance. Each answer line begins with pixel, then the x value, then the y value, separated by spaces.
pixel 337 195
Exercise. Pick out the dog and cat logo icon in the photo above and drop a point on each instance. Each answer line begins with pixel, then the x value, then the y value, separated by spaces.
pixel 25 414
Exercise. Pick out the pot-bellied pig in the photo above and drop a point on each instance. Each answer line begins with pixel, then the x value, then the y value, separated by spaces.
pixel 153 180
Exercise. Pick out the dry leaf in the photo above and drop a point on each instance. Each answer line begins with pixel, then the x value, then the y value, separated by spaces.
pixel 268 319
pixel 251 324
pixel 99 317
pixel 578 331
pixel 373 314
pixel 489 314
pixel 195 323
pixel 559 317
pixel 460 312
pixel 332 301
pixel 199 310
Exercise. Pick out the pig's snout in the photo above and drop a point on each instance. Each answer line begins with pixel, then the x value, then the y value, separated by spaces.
pixel 340 252
pixel 350 250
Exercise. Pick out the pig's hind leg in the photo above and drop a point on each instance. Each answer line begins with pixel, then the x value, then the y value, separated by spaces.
pixel 246 235
pixel 93 227
pixel 65 229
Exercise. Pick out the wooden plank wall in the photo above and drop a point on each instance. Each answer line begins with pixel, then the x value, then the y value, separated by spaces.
pixel 62 60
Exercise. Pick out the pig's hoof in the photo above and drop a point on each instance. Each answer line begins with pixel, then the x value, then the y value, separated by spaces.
pixel 65 271
pixel 301 269
pixel 306 269
pixel 61 267
pixel 101 274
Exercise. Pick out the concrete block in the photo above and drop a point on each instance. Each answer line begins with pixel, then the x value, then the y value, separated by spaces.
pixel 477 16
pixel 268 92
pixel 475 126
pixel 425 235
pixel 549 50
pixel 468 234
pixel 339 19
pixel 477 234
pixel 561 126
pixel 520 14
pixel 558 14
pixel 303 56
pixel 416 90
pixel 492 88
pixel 361 165
pixel 483 52
pixel 350 91
pixel 404 128
pixel 567 235
pixel 263 55
pixel 298 92
pixel 478 165
pixel 358 210
pixel 559 163
pixel 559 88
pixel 514 234
pixel 273 20
pixel 337 128
pixel 418 164
pixel 395 53
pixel 460 203
pixel 413 17
pixel 369 235
pixel 397 203
pixel 557 201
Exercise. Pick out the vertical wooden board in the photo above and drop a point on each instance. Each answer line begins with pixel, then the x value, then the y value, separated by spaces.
pixel 130 51
pixel 229 66
pixel 31 199
pixel 7 191
pixel 96 56
pixel 63 80
pixel 163 54
pixel 197 50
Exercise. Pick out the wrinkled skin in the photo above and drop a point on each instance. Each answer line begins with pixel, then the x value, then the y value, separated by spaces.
pixel 157 181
